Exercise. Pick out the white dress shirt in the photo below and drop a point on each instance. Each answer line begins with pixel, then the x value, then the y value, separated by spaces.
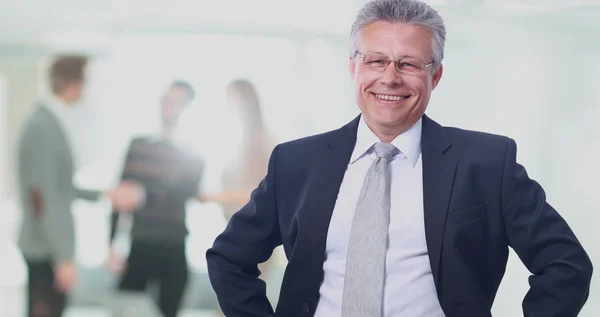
pixel 409 289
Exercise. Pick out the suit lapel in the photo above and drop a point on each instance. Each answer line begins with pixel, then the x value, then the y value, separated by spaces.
pixel 439 167
pixel 322 190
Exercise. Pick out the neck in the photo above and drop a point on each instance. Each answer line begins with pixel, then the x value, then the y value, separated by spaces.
pixel 385 138
pixel 252 125
pixel 386 134
pixel 168 132
pixel 251 131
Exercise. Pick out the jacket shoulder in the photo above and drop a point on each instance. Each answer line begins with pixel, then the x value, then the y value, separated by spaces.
pixel 479 144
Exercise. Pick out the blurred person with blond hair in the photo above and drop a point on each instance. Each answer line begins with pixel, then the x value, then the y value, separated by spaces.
pixel 247 167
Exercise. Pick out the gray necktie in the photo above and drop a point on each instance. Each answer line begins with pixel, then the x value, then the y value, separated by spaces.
pixel 365 262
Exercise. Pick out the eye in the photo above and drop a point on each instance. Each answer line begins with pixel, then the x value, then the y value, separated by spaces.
pixel 377 62
pixel 408 66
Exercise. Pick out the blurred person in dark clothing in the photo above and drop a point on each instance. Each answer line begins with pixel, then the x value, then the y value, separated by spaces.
pixel 170 175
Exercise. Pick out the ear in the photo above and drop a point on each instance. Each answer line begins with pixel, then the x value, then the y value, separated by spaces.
pixel 435 79
pixel 352 67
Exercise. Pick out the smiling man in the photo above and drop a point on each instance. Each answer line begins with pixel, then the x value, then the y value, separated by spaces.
pixel 393 214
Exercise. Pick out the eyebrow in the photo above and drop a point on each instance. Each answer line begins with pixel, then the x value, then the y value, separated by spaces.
pixel 401 57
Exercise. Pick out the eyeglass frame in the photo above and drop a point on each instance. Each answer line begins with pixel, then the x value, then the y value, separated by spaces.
pixel 395 61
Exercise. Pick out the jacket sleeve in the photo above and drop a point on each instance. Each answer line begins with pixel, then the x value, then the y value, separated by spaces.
pixel 545 243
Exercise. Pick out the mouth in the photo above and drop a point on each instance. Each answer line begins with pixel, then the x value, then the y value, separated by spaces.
pixel 392 98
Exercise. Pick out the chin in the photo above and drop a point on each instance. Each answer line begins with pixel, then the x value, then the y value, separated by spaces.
pixel 389 124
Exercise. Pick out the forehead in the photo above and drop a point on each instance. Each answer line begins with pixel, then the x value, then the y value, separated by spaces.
pixel 396 39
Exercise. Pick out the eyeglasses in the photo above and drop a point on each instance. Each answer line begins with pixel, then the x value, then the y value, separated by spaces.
pixel 404 65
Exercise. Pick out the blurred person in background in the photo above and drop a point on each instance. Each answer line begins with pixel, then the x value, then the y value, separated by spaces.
pixel 245 170
pixel 45 175
pixel 394 214
pixel 170 175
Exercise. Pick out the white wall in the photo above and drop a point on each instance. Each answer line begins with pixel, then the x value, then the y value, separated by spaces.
pixel 22 79
pixel 3 138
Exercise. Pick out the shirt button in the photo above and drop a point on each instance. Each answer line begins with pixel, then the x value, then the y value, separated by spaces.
pixel 306 307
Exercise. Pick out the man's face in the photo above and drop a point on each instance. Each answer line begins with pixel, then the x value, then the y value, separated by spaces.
pixel 78 88
pixel 73 92
pixel 173 103
pixel 391 101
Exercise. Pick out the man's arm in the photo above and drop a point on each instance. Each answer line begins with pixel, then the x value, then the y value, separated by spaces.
pixel 87 194
pixel 544 242
pixel 249 239
pixel 114 262
pixel 115 214
pixel 94 195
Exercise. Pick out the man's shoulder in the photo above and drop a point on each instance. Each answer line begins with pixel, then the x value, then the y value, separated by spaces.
pixel 138 139
pixel 309 143
pixel 474 136
pixel 140 143
pixel 297 153
pixel 478 143
pixel 39 123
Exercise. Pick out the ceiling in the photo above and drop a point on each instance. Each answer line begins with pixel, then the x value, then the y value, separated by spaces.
pixel 91 24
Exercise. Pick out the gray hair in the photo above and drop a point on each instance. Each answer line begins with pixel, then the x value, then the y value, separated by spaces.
pixel 402 11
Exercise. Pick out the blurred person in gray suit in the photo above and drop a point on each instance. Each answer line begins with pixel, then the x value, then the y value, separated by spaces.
pixel 45 172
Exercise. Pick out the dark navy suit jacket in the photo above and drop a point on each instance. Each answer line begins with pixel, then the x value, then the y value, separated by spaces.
pixel 478 202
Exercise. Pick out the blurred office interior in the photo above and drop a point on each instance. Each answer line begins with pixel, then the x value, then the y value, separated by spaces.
pixel 529 69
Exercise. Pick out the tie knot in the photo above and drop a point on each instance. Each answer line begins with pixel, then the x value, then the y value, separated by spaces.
pixel 385 150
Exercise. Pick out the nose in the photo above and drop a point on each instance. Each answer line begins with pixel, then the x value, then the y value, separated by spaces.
pixel 391 76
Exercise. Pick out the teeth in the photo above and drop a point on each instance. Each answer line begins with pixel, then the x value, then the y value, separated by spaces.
pixel 387 97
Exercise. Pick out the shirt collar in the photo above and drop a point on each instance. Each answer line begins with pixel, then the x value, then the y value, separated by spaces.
pixel 409 142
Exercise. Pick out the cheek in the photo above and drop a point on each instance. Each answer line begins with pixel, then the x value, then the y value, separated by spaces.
pixel 359 90
pixel 420 85
pixel 427 84
pixel 364 80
